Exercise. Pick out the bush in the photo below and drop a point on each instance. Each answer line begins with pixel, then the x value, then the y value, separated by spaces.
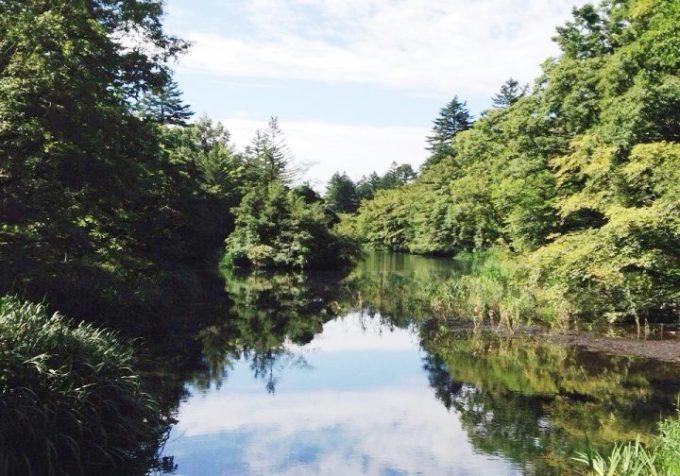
pixel 70 402
pixel 277 228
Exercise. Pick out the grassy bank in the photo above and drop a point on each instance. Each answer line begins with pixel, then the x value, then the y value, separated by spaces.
pixel 70 402
pixel 507 287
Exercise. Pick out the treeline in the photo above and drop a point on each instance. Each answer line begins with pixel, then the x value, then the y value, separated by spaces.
pixel 343 195
pixel 106 193
pixel 575 184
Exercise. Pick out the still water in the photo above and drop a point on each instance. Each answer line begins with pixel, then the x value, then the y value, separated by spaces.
pixel 328 374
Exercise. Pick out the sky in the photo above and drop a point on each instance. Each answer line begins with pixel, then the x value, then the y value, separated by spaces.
pixel 355 83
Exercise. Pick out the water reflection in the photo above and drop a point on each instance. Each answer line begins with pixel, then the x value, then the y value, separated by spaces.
pixel 361 405
pixel 537 403
pixel 332 374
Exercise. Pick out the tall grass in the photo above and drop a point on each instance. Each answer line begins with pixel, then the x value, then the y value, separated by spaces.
pixel 660 458
pixel 69 400
pixel 498 289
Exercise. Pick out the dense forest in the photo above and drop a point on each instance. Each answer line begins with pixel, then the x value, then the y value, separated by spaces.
pixel 572 185
pixel 106 191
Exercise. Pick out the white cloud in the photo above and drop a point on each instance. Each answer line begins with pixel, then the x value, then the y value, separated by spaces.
pixel 423 46
pixel 356 331
pixel 402 428
pixel 331 147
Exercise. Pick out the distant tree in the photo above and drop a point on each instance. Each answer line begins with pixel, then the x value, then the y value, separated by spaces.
pixel 165 106
pixel 509 93
pixel 453 118
pixel 398 175
pixel 367 186
pixel 209 134
pixel 341 194
pixel 269 152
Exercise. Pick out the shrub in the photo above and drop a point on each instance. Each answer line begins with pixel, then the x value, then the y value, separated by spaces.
pixel 278 228
pixel 69 400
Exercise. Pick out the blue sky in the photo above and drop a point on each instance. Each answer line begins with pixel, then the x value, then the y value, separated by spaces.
pixel 355 83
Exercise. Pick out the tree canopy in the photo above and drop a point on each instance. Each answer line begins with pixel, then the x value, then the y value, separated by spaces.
pixel 579 176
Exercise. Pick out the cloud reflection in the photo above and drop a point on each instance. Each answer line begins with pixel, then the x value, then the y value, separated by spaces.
pixel 396 428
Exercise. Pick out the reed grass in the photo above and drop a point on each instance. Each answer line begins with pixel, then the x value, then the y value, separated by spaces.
pixel 70 402
pixel 660 458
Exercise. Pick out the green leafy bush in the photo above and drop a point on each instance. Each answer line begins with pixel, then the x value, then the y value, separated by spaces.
pixel 276 227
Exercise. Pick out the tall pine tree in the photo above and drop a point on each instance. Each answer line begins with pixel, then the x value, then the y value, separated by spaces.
pixel 453 118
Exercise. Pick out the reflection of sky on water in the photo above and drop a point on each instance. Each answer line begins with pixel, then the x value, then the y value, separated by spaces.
pixel 362 405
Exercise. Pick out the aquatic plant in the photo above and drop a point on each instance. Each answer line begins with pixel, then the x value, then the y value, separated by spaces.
pixel 70 402
pixel 660 458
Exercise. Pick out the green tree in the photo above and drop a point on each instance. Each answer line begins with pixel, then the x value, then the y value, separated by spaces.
pixel 509 93
pixel 453 118
pixel 78 168
pixel 277 228
pixel 578 178
pixel 269 153
pixel 164 106
pixel 341 194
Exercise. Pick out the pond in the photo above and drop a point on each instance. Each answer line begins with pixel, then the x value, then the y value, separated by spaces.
pixel 350 374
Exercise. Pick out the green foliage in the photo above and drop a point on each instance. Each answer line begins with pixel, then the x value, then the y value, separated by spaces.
pixel 93 202
pixel 269 156
pixel 453 118
pixel 660 458
pixel 164 106
pixel 275 227
pixel 341 194
pixel 509 93
pixel 579 177
pixel 344 196
pixel 69 401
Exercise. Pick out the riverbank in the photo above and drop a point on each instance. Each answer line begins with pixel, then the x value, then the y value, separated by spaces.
pixel 659 342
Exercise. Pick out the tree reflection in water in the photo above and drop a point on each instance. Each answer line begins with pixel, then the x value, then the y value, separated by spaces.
pixel 522 398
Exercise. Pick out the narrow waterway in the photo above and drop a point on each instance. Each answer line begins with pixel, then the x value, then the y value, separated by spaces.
pixel 328 374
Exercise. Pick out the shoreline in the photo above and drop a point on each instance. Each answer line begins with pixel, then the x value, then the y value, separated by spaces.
pixel 662 344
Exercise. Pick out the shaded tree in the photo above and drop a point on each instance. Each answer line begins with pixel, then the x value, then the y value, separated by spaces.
pixel 164 106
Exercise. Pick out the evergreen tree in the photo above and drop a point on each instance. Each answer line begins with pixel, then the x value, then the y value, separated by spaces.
pixel 269 153
pixel 165 106
pixel 453 118
pixel 509 93
pixel 341 194
pixel 367 186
